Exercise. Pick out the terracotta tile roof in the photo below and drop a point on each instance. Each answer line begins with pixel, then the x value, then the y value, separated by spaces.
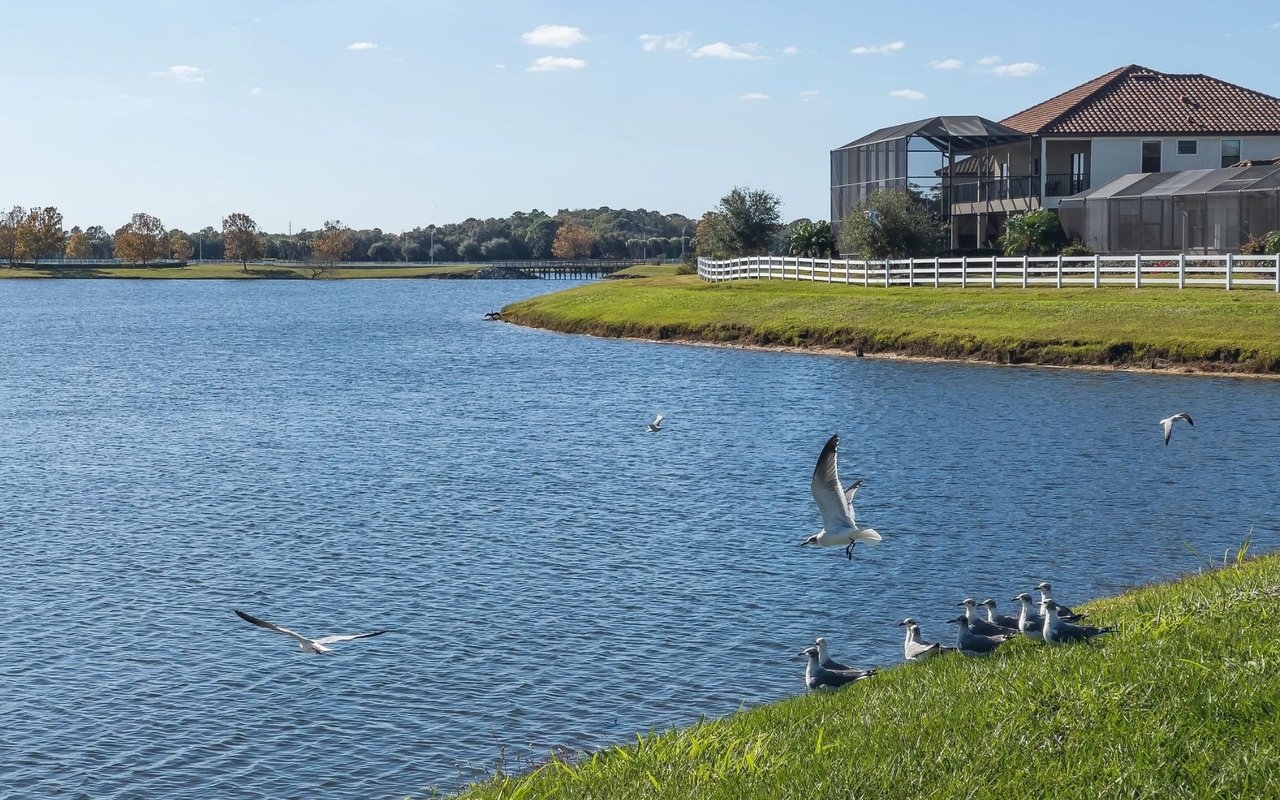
pixel 1135 100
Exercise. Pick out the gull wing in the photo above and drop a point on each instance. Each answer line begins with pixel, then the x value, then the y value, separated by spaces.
pixel 657 421
pixel 347 637
pixel 1167 424
pixel 848 498
pixel 262 623
pixel 828 493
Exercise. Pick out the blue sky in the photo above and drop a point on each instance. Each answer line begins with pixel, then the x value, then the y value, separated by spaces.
pixel 400 113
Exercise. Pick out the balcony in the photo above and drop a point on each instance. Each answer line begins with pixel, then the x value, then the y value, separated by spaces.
pixel 1065 185
pixel 1012 193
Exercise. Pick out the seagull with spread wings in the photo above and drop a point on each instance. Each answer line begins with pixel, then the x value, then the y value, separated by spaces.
pixel 1167 424
pixel 836 505
pixel 307 645
pixel 655 426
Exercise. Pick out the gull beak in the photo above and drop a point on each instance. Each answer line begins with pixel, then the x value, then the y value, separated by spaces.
pixel 900 624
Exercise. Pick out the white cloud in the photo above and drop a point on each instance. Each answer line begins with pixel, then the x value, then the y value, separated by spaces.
pixel 650 42
pixel 255 91
pixel 790 50
pixel 555 64
pixel 362 46
pixel 809 94
pixel 722 50
pixel 553 36
pixel 754 96
pixel 184 73
pixel 1275 25
pixel 1018 70
pixel 987 61
pixel 499 66
pixel 908 94
pixel 947 63
pixel 879 49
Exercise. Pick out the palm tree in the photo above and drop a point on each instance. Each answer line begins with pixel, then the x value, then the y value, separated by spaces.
pixel 811 239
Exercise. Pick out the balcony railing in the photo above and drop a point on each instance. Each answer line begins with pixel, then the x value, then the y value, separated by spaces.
pixel 1017 187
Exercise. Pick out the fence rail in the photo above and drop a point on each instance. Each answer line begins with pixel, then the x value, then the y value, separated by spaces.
pixel 1221 271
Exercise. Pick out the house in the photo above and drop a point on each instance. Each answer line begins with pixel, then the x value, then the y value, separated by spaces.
pixel 1130 120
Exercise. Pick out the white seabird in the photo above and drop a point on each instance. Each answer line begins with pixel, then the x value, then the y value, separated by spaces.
pixel 975 644
pixel 655 426
pixel 1065 613
pixel 817 676
pixel 981 626
pixel 1056 631
pixel 996 618
pixel 1029 622
pixel 306 644
pixel 915 648
pixel 827 662
pixel 835 505
pixel 1167 424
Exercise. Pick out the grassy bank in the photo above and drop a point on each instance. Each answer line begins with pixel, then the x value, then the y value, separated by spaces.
pixel 1207 329
pixel 233 271
pixel 1183 702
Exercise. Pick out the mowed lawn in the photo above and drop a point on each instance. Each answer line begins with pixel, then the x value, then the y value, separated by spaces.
pixel 1207 328
pixel 1182 702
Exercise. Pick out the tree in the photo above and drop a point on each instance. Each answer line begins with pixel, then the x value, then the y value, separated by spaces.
pixel 331 245
pixel 751 217
pixel 79 245
pixel 242 239
pixel 498 249
pixel 713 238
pixel 541 236
pixel 10 224
pixel 100 242
pixel 180 248
pixel 812 239
pixel 40 234
pixel 1032 233
pixel 572 241
pixel 381 251
pixel 891 223
pixel 414 251
pixel 141 239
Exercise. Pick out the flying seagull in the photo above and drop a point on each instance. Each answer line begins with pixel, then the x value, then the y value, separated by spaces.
pixel 838 525
pixel 1167 424
pixel 1029 622
pixel 1056 631
pixel 974 644
pixel 654 426
pixel 305 644
pixel 817 676
pixel 872 215
pixel 827 662
pixel 979 625
pixel 916 649
pixel 1064 613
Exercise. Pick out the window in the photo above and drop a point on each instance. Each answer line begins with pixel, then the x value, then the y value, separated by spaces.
pixel 1230 152
pixel 1187 147
pixel 1150 156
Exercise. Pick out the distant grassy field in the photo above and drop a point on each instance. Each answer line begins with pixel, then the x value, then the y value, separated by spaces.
pixel 1183 702
pixel 646 271
pixel 233 270
pixel 1202 328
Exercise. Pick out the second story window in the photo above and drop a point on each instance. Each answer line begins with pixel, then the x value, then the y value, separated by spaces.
pixel 1230 152
pixel 1187 147
pixel 1150 156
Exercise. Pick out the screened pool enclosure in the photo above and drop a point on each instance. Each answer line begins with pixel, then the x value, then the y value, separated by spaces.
pixel 1192 211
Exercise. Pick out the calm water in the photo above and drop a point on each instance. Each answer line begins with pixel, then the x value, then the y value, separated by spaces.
pixel 347 455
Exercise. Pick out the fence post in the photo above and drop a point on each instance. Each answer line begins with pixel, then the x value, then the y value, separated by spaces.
pixel 911 272
pixel 995 265
pixel 886 264
pixel 1277 275
pixel 937 267
pixel 1024 271
pixel 1182 270
pixel 1231 262
pixel 1137 270
pixel 866 273
pixel 1057 281
pixel 1097 271
pixel 845 263
pixel 964 271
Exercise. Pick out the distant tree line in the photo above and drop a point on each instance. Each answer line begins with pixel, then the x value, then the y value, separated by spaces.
pixel 28 235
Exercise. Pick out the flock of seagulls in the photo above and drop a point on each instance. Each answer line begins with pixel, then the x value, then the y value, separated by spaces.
pixel 976 634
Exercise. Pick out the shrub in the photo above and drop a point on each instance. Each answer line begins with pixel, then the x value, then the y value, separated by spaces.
pixel 1268 244
pixel 892 224
pixel 1033 233
pixel 1076 248
pixel 687 268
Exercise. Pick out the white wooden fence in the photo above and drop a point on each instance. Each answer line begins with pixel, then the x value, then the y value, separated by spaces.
pixel 1222 271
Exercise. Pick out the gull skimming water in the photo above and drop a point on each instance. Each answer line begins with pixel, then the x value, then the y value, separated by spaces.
pixel 836 505
pixel 306 644
pixel 655 426
pixel 1167 424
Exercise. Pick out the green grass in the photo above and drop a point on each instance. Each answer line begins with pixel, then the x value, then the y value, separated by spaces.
pixel 1202 328
pixel 233 271
pixel 646 271
pixel 1183 702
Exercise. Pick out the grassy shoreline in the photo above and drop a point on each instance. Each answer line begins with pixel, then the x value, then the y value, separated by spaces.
pixel 1183 701
pixel 232 270
pixel 1202 330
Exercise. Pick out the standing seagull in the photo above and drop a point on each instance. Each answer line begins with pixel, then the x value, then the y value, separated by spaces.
pixel 979 625
pixel 1029 622
pixel 1167 424
pixel 1065 613
pixel 917 649
pixel 827 662
pixel 996 618
pixel 1058 632
pixel 305 644
pixel 975 644
pixel 655 426
pixel 817 677
pixel 838 526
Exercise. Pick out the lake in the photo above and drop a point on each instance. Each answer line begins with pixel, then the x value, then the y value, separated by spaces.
pixel 353 455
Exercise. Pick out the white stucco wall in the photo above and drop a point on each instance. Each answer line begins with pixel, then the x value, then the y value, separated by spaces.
pixel 1113 157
